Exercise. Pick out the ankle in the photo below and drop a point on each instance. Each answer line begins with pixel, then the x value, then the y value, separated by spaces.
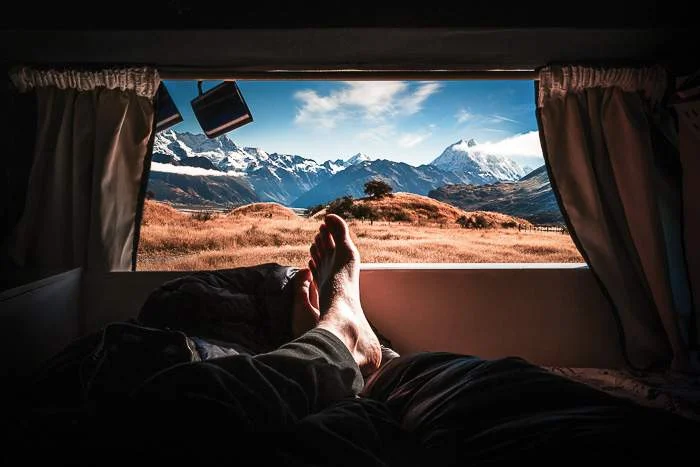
pixel 345 330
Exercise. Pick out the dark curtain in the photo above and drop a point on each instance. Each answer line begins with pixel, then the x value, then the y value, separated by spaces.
pixel 18 133
pixel 93 133
pixel 612 154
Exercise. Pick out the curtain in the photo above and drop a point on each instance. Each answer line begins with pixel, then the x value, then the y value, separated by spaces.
pixel 686 102
pixel 92 138
pixel 612 155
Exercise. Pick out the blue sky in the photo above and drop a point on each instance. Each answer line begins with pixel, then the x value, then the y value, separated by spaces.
pixel 408 121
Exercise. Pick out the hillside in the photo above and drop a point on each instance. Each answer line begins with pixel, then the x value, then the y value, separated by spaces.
pixel 157 213
pixel 531 198
pixel 417 209
pixel 176 241
pixel 269 210
pixel 410 207
pixel 200 190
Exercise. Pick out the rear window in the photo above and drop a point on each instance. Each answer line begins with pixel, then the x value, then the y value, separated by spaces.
pixel 424 172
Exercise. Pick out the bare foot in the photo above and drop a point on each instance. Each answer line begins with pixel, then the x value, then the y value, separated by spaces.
pixel 305 313
pixel 335 265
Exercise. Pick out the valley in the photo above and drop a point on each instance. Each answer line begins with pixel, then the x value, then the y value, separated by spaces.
pixel 267 232
pixel 212 204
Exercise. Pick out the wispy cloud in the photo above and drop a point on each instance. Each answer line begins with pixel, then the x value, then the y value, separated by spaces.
pixel 525 145
pixel 462 116
pixel 500 118
pixel 377 133
pixel 408 140
pixel 412 102
pixel 371 100
pixel 384 133
pixel 316 110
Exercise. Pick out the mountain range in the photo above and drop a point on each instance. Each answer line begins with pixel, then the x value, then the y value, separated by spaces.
pixel 401 176
pixel 531 198
pixel 190 168
pixel 272 177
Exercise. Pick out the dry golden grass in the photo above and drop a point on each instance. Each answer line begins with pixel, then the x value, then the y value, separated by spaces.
pixel 171 240
pixel 419 209
pixel 263 210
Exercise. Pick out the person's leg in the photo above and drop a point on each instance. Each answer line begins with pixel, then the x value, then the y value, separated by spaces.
pixel 270 391
pixel 464 410
pixel 229 402
pixel 335 264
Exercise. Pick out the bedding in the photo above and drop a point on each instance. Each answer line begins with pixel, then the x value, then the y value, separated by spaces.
pixel 208 370
pixel 677 393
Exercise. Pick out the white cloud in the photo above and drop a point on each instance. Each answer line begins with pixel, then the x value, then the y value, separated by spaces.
pixel 408 140
pixel 500 118
pixel 371 100
pixel 525 145
pixel 187 170
pixel 462 116
pixel 374 98
pixel 413 102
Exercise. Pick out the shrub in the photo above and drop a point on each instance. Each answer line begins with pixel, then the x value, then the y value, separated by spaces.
pixel 377 188
pixel 364 211
pixel 341 206
pixel 478 221
pixel 399 216
pixel 203 216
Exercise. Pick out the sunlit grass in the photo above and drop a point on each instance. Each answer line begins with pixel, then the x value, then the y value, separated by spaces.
pixel 171 240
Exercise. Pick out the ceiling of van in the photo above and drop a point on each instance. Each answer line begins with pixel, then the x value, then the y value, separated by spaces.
pixel 196 14
pixel 259 37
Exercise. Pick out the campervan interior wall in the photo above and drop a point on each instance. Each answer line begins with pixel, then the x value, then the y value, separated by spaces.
pixel 551 314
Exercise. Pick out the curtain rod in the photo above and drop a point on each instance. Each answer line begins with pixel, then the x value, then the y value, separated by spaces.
pixel 345 75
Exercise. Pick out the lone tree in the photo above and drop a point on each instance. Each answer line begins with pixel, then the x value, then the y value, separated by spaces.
pixel 377 188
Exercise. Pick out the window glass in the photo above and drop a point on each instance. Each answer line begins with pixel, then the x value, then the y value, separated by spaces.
pixel 424 171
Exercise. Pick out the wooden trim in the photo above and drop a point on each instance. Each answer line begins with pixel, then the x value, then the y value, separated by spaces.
pixel 180 73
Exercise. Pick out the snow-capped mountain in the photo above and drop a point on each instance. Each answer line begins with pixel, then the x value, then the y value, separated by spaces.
pixel 335 166
pixel 339 165
pixel 183 148
pixel 481 167
pixel 220 172
pixel 401 176
pixel 273 177
pixel 357 158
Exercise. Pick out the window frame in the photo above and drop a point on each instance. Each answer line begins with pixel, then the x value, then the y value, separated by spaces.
pixel 213 74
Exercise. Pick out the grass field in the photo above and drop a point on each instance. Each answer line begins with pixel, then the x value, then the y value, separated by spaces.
pixel 266 232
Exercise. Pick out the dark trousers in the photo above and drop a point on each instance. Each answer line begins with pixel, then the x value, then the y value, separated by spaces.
pixel 306 404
